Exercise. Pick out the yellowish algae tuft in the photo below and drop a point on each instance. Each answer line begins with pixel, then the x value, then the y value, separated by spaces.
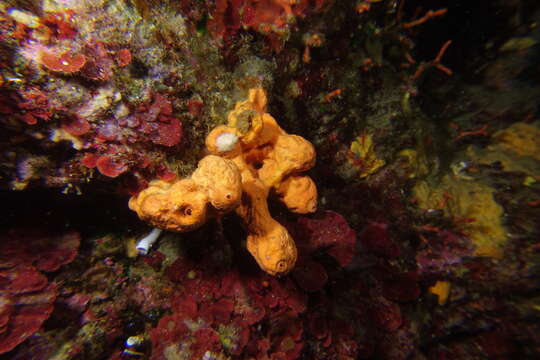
pixel 521 139
pixel 442 290
pixel 518 44
pixel 473 206
pixel 363 157
pixel 472 203
pixel 516 148
pixel 60 134
pixel 130 247
pixel 414 162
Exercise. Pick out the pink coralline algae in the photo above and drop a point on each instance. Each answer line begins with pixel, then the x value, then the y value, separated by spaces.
pixel 26 296
pixel 310 275
pixel 385 314
pixel 59 25
pixel 109 166
pixel 220 311
pixel 253 315
pixel 157 121
pixel 120 145
pixel 23 312
pixel 78 97
pixel 335 338
pixel 377 239
pixel 64 62
pixel 153 122
pixel 99 63
pixel 76 125
pixel 397 345
pixel 443 251
pixel 272 18
pixel 400 287
pixel 123 57
pixel 29 105
pixel 326 232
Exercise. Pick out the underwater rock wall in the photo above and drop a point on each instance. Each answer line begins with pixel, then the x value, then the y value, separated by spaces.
pixel 423 115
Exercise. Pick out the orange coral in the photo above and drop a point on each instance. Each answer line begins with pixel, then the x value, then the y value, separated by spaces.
pixel 252 156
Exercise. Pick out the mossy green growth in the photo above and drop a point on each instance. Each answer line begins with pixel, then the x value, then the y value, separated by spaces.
pixel 201 26
pixel 228 336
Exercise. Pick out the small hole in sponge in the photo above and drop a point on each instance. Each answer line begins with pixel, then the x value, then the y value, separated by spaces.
pixel 186 210
pixel 228 196
pixel 257 165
